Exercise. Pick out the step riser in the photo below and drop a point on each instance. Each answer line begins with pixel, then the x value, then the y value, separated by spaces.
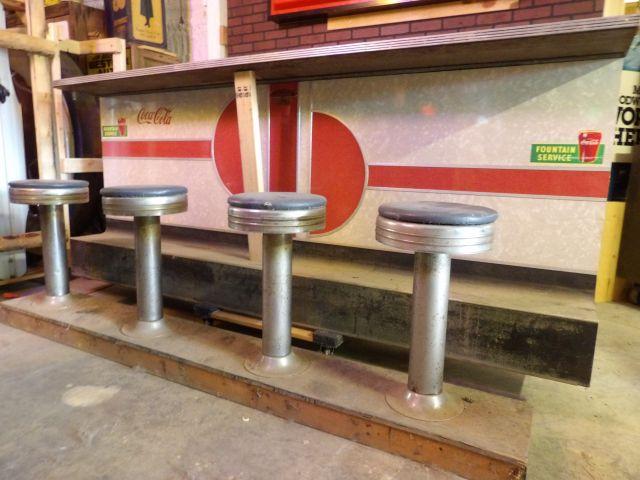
pixel 534 344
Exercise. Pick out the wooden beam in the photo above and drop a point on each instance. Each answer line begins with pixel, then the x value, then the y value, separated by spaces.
pixel 80 165
pixel 26 43
pixel 57 31
pixel 42 93
pixel 22 241
pixel 30 275
pixel 256 323
pixel 86 47
pixel 422 12
pixel 250 145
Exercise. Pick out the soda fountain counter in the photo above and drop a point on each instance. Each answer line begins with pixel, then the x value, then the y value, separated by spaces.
pixel 518 119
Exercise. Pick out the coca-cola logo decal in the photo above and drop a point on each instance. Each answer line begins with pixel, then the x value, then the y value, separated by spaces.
pixel 159 116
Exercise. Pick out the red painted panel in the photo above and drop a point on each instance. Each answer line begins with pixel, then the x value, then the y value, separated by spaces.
pixel 283 137
pixel 562 183
pixel 338 170
pixel 157 148
pixel 281 7
pixel 315 8
pixel 226 149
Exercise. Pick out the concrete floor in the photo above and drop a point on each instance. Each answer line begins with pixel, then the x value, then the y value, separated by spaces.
pixel 592 433
pixel 133 425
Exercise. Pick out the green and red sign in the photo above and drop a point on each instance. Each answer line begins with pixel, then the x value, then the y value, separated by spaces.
pixel 588 150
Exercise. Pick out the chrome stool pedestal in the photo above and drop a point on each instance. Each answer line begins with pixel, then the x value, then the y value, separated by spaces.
pixel 145 203
pixel 434 231
pixel 277 216
pixel 50 196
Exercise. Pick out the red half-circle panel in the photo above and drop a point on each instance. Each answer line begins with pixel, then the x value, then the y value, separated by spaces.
pixel 226 150
pixel 338 170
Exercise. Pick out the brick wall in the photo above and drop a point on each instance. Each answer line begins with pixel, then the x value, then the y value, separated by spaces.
pixel 250 31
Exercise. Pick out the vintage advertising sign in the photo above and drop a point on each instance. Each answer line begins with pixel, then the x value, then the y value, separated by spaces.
pixel 282 10
pixel 625 174
pixel 119 130
pixel 140 21
pixel 588 150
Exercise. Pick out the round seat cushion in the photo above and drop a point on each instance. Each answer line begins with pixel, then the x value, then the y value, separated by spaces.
pixel 48 192
pixel 49 184
pixel 143 191
pixel 278 201
pixel 144 200
pixel 437 213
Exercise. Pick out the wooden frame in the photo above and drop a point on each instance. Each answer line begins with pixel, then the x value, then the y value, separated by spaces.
pixel 45 43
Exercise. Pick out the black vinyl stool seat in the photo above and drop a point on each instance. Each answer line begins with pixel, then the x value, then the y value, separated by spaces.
pixel 144 200
pixel 49 192
pixel 438 213
pixel 146 203
pixel 277 201
pixel 436 227
pixel 433 231
pixel 277 212
pixel 50 196
pixel 277 215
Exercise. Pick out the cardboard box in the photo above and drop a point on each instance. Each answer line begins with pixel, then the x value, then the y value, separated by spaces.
pixel 138 56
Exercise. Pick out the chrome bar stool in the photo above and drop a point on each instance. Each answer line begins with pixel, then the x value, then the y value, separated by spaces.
pixel 145 203
pixel 434 231
pixel 50 196
pixel 277 216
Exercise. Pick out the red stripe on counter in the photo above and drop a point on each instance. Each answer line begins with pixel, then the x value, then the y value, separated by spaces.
pixel 157 148
pixel 562 183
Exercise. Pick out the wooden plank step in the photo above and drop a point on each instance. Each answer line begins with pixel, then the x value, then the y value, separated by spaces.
pixel 345 398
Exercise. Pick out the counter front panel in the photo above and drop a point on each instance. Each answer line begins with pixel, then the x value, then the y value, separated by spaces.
pixel 533 142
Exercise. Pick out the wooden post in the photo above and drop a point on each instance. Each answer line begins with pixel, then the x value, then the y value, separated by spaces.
pixel 120 56
pixel 613 7
pixel 59 31
pixel 42 93
pixel 250 145
pixel 80 165
pixel 55 32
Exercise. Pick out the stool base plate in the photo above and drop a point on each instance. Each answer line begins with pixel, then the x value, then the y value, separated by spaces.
pixel 430 408
pixel 59 301
pixel 266 366
pixel 144 329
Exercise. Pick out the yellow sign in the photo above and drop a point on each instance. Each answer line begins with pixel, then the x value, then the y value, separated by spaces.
pixel 147 22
